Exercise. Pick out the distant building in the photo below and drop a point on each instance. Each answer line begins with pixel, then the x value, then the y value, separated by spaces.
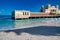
pixel 48 11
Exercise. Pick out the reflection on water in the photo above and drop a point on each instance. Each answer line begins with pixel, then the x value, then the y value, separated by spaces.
pixel 9 24
pixel 36 21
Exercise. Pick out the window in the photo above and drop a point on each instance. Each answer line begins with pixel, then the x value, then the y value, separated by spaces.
pixel 51 10
pixel 27 13
pixel 54 10
pixel 23 13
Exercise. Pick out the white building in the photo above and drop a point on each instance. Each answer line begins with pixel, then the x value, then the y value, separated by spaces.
pixel 50 9
pixel 20 14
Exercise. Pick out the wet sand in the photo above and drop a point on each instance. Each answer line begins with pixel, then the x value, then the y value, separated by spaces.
pixel 32 33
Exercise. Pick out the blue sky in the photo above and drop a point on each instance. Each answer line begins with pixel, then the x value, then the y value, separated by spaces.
pixel 7 6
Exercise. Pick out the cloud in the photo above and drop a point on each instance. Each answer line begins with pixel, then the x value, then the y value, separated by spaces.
pixel 2 11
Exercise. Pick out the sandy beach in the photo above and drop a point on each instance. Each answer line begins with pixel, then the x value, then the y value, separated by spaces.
pixel 32 33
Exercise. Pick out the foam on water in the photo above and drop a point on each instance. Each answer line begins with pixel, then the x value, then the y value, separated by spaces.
pixel 8 23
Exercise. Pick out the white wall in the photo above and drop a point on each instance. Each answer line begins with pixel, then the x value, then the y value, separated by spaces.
pixel 19 14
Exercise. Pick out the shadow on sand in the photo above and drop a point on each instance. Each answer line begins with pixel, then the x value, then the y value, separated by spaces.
pixel 39 30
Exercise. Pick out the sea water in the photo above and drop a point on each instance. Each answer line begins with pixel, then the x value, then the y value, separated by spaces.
pixel 7 23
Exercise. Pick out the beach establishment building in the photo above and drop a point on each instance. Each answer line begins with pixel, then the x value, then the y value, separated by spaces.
pixel 47 11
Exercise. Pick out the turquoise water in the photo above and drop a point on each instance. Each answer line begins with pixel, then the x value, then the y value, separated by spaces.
pixel 7 23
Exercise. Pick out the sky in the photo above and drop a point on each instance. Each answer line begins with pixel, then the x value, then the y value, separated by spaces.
pixel 7 6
